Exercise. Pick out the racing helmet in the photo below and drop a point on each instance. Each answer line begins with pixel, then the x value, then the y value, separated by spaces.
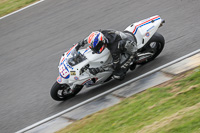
pixel 96 41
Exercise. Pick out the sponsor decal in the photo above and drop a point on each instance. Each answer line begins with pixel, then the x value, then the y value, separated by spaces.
pixel 73 72
pixel 76 78
pixel 150 28
pixel 59 79
pixel 147 34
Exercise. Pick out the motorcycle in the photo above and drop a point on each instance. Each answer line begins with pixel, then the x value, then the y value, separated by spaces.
pixel 74 68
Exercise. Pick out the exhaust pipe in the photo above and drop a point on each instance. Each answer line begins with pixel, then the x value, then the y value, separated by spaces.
pixel 162 22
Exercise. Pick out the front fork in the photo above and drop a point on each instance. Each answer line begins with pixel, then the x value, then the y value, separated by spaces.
pixel 63 81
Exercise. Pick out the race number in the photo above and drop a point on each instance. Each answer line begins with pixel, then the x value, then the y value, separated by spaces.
pixel 63 71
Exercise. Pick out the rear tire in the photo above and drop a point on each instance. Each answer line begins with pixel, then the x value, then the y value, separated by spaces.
pixel 155 45
pixel 61 92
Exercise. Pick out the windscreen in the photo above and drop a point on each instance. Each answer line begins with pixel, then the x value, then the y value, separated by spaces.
pixel 76 59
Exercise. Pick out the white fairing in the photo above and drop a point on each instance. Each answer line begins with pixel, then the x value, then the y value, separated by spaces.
pixel 72 74
pixel 97 60
pixel 144 29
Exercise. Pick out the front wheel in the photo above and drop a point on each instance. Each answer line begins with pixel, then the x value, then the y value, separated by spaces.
pixel 62 92
pixel 154 46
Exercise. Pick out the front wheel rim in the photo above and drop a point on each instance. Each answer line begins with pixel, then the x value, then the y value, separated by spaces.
pixel 64 91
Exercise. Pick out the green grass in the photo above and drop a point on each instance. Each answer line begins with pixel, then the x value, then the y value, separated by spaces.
pixel 188 124
pixel 174 108
pixel 8 6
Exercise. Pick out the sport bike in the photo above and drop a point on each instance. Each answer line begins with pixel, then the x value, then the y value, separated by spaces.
pixel 74 68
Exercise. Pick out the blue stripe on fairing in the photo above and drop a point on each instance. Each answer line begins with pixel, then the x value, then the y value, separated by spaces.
pixel 86 51
pixel 145 24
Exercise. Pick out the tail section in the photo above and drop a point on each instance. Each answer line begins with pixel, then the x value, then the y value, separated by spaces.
pixel 144 29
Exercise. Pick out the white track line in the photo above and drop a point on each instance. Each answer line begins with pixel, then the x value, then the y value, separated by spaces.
pixel 106 92
pixel 21 9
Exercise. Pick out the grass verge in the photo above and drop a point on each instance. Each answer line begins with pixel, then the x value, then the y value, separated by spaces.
pixel 8 6
pixel 171 107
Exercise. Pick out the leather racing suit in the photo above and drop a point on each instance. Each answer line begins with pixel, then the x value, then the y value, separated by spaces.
pixel 117 42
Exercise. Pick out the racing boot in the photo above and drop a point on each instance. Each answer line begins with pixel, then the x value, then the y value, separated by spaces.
pixel 120 75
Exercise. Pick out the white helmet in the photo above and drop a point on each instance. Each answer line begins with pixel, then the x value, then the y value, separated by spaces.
pixel 97 41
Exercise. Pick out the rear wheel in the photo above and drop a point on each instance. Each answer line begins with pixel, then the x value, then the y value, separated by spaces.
pixel 154 46
pixel 61 92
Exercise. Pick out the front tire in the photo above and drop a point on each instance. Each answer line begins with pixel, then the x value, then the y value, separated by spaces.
pixel 62 92
pixel 155 46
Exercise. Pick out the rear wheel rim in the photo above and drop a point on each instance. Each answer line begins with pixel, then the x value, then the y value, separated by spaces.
pixel 153 47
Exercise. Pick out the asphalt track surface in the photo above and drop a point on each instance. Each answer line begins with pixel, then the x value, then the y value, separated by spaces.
pixel 32 41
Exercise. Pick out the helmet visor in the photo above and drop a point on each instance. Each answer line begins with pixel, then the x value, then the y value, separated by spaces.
pixel 98 48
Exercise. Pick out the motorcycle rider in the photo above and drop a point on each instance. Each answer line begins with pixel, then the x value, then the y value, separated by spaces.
pixel 117 42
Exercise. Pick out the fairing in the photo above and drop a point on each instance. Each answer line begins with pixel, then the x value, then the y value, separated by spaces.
pixel 144 29
pixel 70 67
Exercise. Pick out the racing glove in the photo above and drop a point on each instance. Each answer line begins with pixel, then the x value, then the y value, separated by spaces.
pixel 80 44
